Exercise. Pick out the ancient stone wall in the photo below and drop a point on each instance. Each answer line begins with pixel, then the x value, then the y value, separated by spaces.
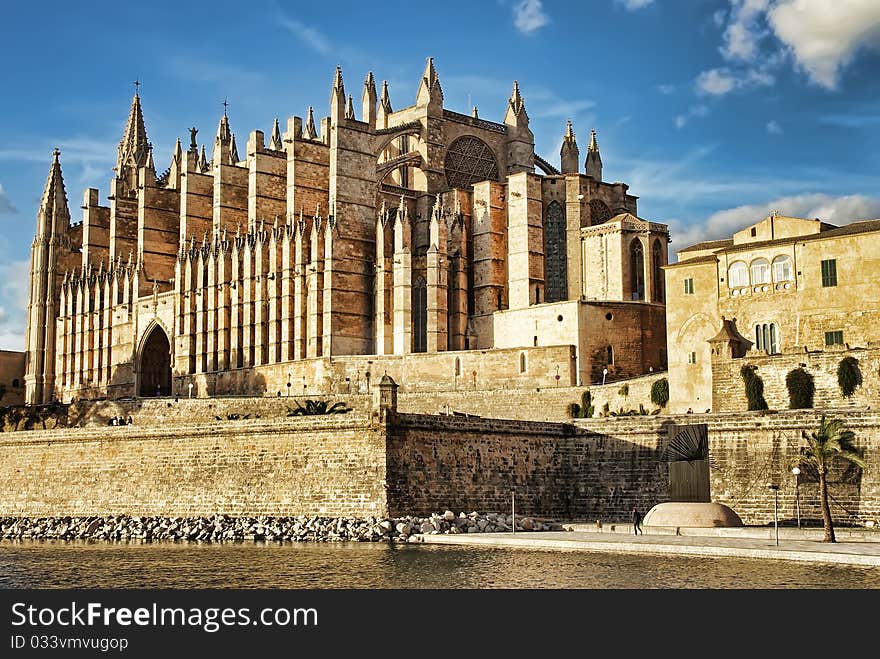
pixel 329 466
pixel 552 470
pixel 728 388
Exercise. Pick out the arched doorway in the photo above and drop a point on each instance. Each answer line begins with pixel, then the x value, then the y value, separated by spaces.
pixel 155 366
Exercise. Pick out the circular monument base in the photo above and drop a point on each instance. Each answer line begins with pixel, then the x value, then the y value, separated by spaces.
pixel 696 515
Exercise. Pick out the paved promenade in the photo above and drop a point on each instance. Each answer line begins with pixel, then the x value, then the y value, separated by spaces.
pixel 853 548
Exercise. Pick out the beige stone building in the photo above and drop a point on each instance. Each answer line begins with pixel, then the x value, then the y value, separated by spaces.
pixel 431 245
pixel 782 293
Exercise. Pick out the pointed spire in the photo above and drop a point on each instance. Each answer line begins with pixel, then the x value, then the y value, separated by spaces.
pixel 349 108
pixel 569 153
pixel 149 164
pixel 275 143
pixel 203 161
pixel 53 216
pixel 132 150
pixel 516 100
pixel 310 132
pixel 178 152
pixel 337 97
pixel 594 145
pixel 430 92
pixel 594 160
pixel 225 152
pixel 368 101
pixel 386 97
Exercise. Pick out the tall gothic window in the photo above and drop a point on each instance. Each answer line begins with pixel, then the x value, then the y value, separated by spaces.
pixel 555 260
pixel 637 269
pixel 420 315
pixel 657 268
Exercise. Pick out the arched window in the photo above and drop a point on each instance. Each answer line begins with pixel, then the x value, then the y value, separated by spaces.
pixel 420 315
pixel 760 270
pixel 555 259
pixel 782 268
pixel 767 338
pixel 657 270
pixel 637 269
pixel 737 275
pixel 609 355
pixel 522 362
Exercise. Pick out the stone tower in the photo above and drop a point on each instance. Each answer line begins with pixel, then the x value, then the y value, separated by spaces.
pixel 53 221
pixel 569 155
pixel 594 160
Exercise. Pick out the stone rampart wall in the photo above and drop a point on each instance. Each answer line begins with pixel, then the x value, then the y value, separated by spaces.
pixel 325 466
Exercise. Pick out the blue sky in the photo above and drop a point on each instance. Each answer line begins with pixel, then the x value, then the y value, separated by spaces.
pixel 714 111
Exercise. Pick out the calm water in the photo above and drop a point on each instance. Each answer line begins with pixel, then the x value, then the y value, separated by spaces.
pixel 82 564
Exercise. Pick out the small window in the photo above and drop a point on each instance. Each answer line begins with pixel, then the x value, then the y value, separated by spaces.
pixel 767 338
pixel 760 271
pixel 754 232
pixel 782 268
pixel 689 286
pixel 609 355
pixel 829 272
pixel 692 358
pixel 522 362
pixel 834 338
pixel 738 275
pixel 537 295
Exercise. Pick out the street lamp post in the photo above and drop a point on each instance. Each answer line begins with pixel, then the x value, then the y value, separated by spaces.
pixel 190 386
pixel 775 489
pixel 797 493
pixel 288 383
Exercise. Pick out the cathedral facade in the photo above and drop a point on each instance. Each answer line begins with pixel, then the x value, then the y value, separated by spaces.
pixel 435 246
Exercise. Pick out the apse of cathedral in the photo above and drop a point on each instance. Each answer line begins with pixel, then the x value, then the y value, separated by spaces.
pixel 396 234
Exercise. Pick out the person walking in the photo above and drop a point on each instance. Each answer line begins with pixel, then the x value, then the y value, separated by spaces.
pixel 637 521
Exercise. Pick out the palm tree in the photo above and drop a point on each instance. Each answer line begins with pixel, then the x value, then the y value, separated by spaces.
pixel 823 446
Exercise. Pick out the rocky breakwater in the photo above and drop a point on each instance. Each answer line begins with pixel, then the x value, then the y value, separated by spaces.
pixel 220 528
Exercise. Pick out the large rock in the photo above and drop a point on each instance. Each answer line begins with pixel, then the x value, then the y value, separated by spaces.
pixel 695 515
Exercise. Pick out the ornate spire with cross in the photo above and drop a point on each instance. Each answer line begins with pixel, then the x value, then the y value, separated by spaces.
pixel 225 106
pixel 137 86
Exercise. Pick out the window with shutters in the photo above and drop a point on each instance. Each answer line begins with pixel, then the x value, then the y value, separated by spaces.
pixel 829 272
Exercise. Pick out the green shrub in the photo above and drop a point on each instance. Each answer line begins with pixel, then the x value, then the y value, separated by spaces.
pixel 800 389
pixel 849 376
pixel 660 392
pixel 624 390
pixel 574 411
pixel 754 388
pixel 315 407
pixel 587 404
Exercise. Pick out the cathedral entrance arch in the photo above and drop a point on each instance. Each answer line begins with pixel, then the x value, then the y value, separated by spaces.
pixel 155 364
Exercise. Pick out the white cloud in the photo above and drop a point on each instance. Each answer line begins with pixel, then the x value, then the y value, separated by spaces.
pixel 528 16
pixel 633 5
pixel 6 205
pixel 723 224
pixel 313 38
pixel 693 111
pixel 825 36
pixel 14 292
pixel 822 37
pixel 718 82
pixel 666 89
pixel 744 30
pixel 774 128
